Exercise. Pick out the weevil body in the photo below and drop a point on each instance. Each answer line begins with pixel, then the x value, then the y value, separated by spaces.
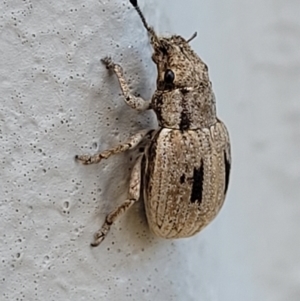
pixel 184 170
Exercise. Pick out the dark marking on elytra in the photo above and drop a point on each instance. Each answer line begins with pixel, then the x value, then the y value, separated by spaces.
pixel 148 160
pixel 151 151
pixel 227 172
pixel 197 188
pixel 182 179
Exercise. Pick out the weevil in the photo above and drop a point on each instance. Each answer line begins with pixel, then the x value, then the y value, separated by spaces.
pixel 184 170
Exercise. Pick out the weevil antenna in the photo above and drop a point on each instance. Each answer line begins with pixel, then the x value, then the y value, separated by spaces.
pixel 135 5
pixel 150 30
pixel 192 37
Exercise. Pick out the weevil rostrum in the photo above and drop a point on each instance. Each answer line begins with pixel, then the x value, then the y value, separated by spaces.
pixel 183 172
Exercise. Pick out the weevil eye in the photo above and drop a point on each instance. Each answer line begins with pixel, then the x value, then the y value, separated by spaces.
pixel 169 76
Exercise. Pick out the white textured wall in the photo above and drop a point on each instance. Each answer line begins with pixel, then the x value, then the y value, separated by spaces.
pixel 57 100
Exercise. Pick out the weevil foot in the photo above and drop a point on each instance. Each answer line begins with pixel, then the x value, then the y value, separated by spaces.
pixel 107 61
pixel 101 234
pixel 86 159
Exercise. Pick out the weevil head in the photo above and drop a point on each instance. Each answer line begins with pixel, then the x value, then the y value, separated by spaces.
pixel 178 66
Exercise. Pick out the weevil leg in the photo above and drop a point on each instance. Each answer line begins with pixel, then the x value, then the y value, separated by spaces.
pixel 132 142
pixel 134 102
pixel 133 196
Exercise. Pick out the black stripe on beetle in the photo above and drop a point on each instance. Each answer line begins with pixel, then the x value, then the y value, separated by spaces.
pixel 227 172
pixel 184 120
pixel 185 116
pixel 197 188
pixel 182 179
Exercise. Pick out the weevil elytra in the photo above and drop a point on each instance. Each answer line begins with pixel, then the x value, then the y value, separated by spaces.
pixel 184 169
